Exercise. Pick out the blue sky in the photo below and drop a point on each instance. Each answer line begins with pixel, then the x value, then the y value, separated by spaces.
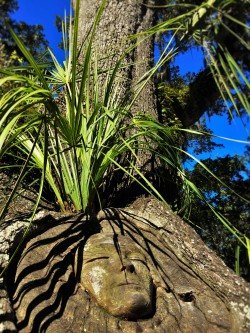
pixel 239 129
pixel 44 13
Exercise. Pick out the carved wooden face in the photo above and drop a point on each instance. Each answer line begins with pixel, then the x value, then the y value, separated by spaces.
pixel 115 273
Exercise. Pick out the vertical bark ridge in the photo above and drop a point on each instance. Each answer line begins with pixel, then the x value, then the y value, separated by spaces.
pixel 120 20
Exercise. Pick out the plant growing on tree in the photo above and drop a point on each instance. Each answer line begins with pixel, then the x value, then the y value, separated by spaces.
pixel 74 130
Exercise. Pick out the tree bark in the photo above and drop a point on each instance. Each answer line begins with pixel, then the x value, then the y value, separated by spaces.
pixel 199 102
pixel 120 20
pixel 193 289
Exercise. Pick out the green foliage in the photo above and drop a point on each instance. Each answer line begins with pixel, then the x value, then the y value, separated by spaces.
pixel 68 124
pixel 32 35
pixel 230 170
pixel 174 96
pixel 7 6
pixel 220 29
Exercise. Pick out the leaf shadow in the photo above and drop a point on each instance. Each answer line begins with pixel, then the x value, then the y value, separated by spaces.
pixel 55 253
pixel 44 273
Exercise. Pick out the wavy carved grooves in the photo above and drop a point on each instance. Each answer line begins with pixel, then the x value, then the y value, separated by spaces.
pixel 47 296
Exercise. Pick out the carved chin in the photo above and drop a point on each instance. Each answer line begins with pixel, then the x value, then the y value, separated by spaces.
pixel 133 306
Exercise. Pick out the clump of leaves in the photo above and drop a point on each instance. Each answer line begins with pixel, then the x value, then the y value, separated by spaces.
pixel 67 125
pixel 74 130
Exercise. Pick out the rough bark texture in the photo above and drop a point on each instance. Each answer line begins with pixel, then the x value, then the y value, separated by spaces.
pixel 120 20
pixel 42 290
pixel 194 290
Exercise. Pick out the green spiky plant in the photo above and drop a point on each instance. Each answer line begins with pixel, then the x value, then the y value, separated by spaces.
pixel 67 126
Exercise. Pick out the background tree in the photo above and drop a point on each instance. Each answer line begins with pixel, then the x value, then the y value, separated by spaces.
pixel 32 35
pixel 231 170
pixel 188 99
pixel 222 30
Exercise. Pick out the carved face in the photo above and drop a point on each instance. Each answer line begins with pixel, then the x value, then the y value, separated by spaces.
pixel 117 276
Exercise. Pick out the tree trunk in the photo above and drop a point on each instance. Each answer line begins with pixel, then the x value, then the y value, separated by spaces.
pixel 120 20
pixel 193 289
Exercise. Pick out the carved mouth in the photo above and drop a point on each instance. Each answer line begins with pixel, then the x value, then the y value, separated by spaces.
pixel 128 284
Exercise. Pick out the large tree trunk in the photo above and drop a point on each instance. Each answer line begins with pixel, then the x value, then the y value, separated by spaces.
pixel 120 20
pixel 193 289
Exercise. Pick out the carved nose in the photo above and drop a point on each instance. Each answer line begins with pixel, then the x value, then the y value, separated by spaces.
pixel 128 267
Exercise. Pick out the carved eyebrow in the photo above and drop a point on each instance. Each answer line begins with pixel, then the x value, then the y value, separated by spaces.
pixel 97 258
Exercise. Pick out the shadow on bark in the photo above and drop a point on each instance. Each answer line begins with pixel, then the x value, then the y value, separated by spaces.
pixel 45 287
pixel 45 260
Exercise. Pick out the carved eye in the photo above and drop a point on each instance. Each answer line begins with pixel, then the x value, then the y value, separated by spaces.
pixel 130 268
pixel 136 257
pixel 187 297
pixel 97 258
pixel 139 263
